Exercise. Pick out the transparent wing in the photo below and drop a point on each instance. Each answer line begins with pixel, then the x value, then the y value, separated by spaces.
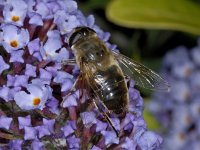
pixel 143 76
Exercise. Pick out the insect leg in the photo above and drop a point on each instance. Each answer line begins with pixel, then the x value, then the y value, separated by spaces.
pixel 105 112
pixel 68 62
pixel 73 89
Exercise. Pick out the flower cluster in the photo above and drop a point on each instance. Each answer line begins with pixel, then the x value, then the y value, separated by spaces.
pixel 179 110
pixel 34 41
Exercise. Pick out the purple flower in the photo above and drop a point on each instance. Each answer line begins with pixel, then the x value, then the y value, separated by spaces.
pixel 34 46
pixel 35 19
pixel 180 91
pixel 73 142
pixel 183 69
pixel 30 133
pixel 14 38
pixel 179 113
pixel 68 5
pixel 24 121
pixel 45 76
pixel 5 122
pixel 129 144
pixel 30 70
pixel 53 104
pixel 36 99
pixel 95 148
pixel 149 140
pixel 100 126
pixel 42 131
pixel 20 80
pixel 15 12
pixel 17 56
pixel 65 22
pixel 36 145
pixel 69 128
pixel 52 49
pixel 88 118
pixel 61 76
pixel 49 124
pixel 16 144
pixel 110 137
pixel 3 65
pixel 4 93
pixel 195 55
pixel 42 10
pixel 7 93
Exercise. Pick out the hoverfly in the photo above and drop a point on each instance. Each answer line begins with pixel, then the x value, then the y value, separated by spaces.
pixel 104 72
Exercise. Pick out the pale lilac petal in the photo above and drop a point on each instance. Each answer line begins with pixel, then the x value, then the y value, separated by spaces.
pixel 42 131
pixel 62 76
pixel 74 143
pixel 30 133
pixel 5 122
pixel 149 140
pixel 67 85
pixel 15 144
pixel 34 46
pixel 96 148
pixel 10 33
pixel 69 128
pixel 100 126
pixel 21 80
pixel 129 144
pixel 53 105
pixel 30 70
pixel 3 65
pixel 15 8
pixel 24 121
pixel 10 80
pixel 45 75
pixel 88 118
pixel 42 9
pixel 37 145
pixel 36 19
pixel 70 101
pixel 17 56
pixel 49 124
pixel 110 137
pixel 4 93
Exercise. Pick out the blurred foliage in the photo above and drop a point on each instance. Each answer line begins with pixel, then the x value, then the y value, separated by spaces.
pixel 182 15
pixel 152 123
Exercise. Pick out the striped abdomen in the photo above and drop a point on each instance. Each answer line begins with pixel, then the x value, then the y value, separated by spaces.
pixel 111 87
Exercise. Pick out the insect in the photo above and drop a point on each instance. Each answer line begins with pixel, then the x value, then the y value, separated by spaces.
pixel 104 71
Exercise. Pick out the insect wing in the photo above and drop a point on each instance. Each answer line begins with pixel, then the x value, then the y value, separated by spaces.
pixel 143 76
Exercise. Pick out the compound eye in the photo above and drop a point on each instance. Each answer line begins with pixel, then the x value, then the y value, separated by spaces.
pixel 74 38
pixel 79 33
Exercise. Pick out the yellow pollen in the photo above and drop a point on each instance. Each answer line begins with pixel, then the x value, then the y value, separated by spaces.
pixel 36 101
pixel 15 18
pixel 14 43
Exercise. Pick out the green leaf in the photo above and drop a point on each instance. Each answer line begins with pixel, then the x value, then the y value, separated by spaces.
pixel 151 121
pixel 181 15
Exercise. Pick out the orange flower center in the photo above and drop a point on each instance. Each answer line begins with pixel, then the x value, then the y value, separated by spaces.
pixel 15 18
pixel 14 43
pixel 36 101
